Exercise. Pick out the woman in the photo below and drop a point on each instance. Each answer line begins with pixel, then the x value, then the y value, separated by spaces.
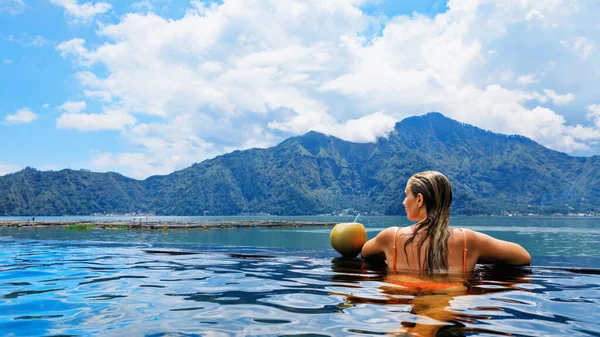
pixel 432 246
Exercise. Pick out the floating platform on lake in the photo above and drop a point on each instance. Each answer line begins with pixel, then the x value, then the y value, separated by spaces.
pixel 164 225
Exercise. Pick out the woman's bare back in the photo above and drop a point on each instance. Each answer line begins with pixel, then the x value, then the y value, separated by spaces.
pixel 410 261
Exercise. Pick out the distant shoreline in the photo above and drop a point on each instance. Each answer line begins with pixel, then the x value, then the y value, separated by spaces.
pixel 163 225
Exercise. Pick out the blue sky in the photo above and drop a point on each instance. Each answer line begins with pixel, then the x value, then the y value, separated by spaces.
pixel 150 87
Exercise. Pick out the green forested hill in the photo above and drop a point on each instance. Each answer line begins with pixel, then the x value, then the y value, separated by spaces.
pixel 315 174
pixel 68 192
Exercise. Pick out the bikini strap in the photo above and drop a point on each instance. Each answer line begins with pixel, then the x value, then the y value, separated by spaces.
pixel 464 251
pixel 395 254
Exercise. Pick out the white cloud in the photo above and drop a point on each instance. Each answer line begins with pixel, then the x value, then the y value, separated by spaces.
pixel 6 61
pixel 8 168
pixel 46 105
pixel 365 129
pixel 559 99
pixel 73 107
pixel 594 113
pixel 249 73
pixel 13 7
pixel 27 40
pixel 144 5
pixel 87 78
pixel 103 96
pixel 503 110
pixel 139 165
pixel 75 47
pixel 527 79
pixel 591 134
pixel 581 45
pixel 534 14
pixel 109 120
pixel 82 12
pixel 22 116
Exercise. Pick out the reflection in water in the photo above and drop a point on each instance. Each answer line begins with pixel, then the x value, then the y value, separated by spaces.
pixel 113 289
pixel 430 299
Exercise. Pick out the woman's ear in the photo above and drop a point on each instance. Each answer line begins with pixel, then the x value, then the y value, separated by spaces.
pixel 419 200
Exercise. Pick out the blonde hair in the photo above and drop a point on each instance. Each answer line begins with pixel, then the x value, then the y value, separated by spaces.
pixel 437 197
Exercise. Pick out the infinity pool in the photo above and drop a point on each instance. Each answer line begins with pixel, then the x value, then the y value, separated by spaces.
pixel 81 288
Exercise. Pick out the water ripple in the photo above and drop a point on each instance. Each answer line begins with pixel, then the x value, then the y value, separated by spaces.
pixel 115 290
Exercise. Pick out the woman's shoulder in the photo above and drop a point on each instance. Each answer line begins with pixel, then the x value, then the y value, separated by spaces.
pixel 380 243
pixel 388 234
pixel 463 237
pixel 488 249
pixel 473 237
pixel 390 231
pixel 463 232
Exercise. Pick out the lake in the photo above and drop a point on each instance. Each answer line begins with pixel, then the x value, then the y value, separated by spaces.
pixel 288 281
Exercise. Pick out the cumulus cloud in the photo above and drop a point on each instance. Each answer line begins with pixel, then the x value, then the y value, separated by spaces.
pixel 534 14
pixel 109 120
pixel 27 40
pixel 144 5
pixel 75 47
pixel 527 79
pixel 103 96
pixel 559 99
pixel 22 116
pixel 72 107
pixel 594 113
pixel 581 45
pixel 247 73
pixel 365 129
pixel 13 7
pixel 82 12
pixel 137 164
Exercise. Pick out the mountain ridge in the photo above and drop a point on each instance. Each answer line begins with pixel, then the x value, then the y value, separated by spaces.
pixel 315 173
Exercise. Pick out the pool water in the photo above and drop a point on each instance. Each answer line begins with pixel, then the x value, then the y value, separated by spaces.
pixel 541 236
pixel 82 288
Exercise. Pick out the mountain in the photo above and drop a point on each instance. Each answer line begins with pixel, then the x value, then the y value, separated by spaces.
pixel 314 174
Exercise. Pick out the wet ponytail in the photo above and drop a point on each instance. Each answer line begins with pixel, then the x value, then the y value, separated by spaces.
pixel 437 197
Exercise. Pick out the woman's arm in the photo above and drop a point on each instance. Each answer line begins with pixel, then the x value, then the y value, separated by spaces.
pixel 377 246
pixel 491 250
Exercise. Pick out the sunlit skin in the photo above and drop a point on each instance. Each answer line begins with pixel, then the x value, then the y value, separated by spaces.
pixel 481 247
